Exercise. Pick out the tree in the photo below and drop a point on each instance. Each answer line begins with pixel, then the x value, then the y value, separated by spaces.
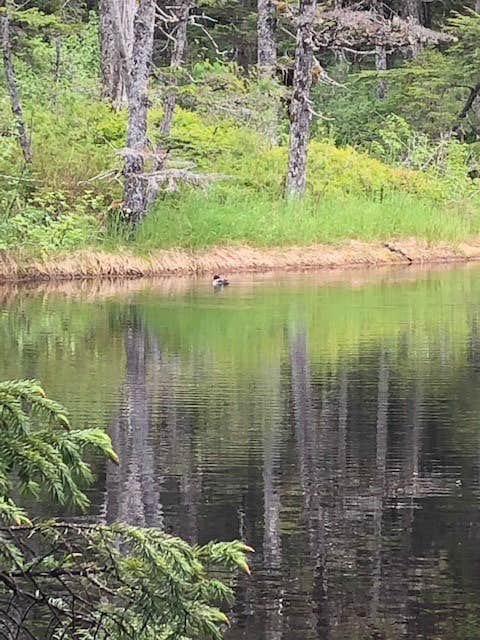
pixel 135 187
pixel 300 109
pixel 266 46
pixel 381 58
pixel 11 82
pixel 60 579
pixel 413 10
pixel 116 43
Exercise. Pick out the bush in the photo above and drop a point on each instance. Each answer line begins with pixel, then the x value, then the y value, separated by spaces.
pixel 39 232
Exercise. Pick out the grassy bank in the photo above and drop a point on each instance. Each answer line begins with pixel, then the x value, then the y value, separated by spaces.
pixel 97 263
pixel 66 201
pixel 224 215
pixel 396 183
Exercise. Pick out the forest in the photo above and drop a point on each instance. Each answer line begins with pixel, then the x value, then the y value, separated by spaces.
pixel 308 418
pixel 144 125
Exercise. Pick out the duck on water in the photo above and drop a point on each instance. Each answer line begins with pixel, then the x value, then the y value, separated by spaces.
pixel 218 281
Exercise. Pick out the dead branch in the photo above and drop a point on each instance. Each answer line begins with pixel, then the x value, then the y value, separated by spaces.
pixel 474 93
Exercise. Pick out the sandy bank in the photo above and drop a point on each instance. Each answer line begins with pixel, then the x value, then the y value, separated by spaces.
pixel 101 264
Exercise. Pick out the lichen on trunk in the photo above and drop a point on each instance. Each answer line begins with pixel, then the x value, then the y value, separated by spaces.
pixel 300 111
pixel 266 47
pixel 134 199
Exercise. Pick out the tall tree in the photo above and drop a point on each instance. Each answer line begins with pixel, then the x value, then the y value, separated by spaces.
pixel 12 88
pixel 116 43
pixel 135 186
pixel 300 111
pixel 266 46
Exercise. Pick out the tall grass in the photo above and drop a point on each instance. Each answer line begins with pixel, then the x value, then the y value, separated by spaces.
pixel 222 215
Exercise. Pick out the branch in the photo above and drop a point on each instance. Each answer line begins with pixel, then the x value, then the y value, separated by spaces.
pixel 474 92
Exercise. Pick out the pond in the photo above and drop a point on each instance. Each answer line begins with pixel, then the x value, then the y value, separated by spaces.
pixel 331 420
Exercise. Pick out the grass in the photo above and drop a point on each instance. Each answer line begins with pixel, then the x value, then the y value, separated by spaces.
pixel 222 216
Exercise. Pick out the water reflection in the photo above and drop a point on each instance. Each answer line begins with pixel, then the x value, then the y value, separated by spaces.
pixel 133 487
pixel 334 428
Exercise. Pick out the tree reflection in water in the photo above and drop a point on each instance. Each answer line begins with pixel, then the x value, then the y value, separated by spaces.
pixel 340 439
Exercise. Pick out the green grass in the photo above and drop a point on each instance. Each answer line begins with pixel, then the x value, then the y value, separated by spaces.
pixel 225 214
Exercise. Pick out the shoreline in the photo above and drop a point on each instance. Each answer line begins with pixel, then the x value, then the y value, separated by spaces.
pixel 92 263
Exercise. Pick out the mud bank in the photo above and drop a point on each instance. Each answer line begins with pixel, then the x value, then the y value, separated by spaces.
pixel 91 263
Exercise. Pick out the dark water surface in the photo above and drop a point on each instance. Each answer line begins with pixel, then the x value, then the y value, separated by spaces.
pixel 330 420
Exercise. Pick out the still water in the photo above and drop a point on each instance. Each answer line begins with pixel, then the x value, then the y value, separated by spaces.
pixel 330 420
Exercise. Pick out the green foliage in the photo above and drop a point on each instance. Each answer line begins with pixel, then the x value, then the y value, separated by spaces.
pixel 225 214
pixel 120 581
pixel 40 450
pixel 38 232
pixel 427 91
pixel 109 582
pixel 409 153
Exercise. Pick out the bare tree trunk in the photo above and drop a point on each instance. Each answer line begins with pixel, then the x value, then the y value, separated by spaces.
pixel 413 9
pixel 381 60
pixel 381 65
pixel 178 56
pixel 116 43
pixel 477 6
pixel 134 198
pixel 20 125
pixel 266 47
pixel 300 105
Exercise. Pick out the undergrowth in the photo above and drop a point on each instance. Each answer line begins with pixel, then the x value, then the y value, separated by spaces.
pixel 407 185
pixel 225 214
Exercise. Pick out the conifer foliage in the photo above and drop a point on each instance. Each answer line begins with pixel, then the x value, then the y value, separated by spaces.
pixel 71 579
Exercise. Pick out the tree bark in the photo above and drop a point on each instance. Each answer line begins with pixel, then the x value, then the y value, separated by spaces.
pixel 134 198
pixel 266 47
pixel 381 64
pixel 300 111
pixel 477 6
pixel 12 88
pixel 116 43
pixel 381 60
pixel 413 9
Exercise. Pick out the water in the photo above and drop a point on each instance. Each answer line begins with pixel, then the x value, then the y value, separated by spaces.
pixel 331 420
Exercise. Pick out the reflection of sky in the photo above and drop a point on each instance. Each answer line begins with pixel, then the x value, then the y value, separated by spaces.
pixel 334 426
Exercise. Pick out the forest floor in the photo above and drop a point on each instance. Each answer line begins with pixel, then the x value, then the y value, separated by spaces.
pixel 91 263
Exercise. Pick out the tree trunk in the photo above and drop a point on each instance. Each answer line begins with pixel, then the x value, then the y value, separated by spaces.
pixel 413 9
pixel 381 60
pixel 266 47
pixel 116 43
pixel 477 6
pixel 20 125
pixel 300 105
pixel 178 56
pixel 381 64
pixel 135 184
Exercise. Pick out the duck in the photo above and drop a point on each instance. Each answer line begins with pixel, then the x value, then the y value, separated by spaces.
pixel 218 281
